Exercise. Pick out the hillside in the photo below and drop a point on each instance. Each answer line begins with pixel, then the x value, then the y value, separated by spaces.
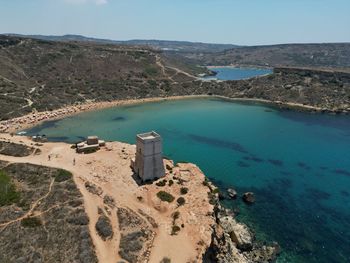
pixel 43 75
pixel 289 55
pixel 38 75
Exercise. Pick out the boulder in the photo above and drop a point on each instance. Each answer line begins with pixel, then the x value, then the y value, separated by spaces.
pixel 232 193
pixel 238 232
pixel 249 198
pixel 263 253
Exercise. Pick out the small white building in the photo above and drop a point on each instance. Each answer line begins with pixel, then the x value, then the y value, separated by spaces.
pixel 148 162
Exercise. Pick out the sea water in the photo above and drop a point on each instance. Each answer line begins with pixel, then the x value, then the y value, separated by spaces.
pixel 233 73
pixel 297 164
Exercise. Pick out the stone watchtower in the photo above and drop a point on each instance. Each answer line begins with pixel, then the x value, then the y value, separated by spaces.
pixel 149 159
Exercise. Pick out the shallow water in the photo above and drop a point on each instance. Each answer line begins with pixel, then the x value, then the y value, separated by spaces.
pixel 232 73
pixel 297 164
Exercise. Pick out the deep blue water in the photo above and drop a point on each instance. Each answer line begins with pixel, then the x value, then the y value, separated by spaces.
pixel 298 164
pixel 232 73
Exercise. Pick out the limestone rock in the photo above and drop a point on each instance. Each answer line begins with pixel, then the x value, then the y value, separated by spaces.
pixel 238 232
pixel 249 198
pixel 232 193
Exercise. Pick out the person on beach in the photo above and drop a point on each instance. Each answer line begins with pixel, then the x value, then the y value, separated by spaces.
pixel 49 157
pixel 74 161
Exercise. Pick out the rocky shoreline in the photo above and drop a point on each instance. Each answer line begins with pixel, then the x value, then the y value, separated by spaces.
pixel 233 241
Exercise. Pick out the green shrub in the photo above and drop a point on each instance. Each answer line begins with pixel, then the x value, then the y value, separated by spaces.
pixel 184 190
pixel 31 222
pixel 175 229
pixel 164 196
pixel 181 201
pixel 161 183
pixel 212 198
pixel 180 181
pixel 175 216
pixel 8 193
pixel 171 182
pixel 63 175
pixel 206 182
pixel 216 191
pixel 165 260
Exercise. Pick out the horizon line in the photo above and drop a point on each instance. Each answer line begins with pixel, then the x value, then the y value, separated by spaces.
pixel 171 40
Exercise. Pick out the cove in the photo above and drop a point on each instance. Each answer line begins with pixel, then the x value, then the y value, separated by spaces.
pixel 297 164
pixel 233 73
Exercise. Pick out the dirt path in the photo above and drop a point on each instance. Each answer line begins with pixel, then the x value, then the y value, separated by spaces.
pixel 160 64
pixel 32 207
pixel 182 72
pixel 178 71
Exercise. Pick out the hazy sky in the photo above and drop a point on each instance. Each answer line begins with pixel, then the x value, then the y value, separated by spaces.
pixel 247 22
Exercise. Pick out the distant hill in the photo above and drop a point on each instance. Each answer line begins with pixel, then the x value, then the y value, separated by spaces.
pixel 328 55
pixel 166 45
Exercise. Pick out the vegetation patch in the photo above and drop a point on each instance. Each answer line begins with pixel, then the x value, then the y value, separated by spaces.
pixel 212 198
pixel 31 222
pixel 15 149
pixel 63 175
pixel 181 201
pixel 8 193
pixel 175 216
pixel 216 191
pixel 131 245
pixel 184 190
pixel 161 183
pixel 165 196
pixel 206 182
pixel 165 260
pixel 104 228
pixel 151 71
pixel 175 229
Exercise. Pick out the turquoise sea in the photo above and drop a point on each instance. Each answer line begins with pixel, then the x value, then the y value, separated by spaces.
pixel 297 164
pixel 233 73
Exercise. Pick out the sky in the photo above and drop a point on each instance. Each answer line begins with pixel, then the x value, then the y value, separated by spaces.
pixel 242 22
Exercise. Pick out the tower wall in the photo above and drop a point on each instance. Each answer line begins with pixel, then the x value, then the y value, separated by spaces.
pixel 149 157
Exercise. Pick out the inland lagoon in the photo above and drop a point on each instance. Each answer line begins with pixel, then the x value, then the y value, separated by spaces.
pixel 297 164
pixel 234 73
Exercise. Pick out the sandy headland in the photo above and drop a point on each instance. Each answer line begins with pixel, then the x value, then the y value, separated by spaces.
pixel 122 212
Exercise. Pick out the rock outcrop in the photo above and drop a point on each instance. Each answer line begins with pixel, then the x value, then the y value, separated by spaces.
pixel 239 233
pixel 232 193
pixel 249 197
pixel 232 241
